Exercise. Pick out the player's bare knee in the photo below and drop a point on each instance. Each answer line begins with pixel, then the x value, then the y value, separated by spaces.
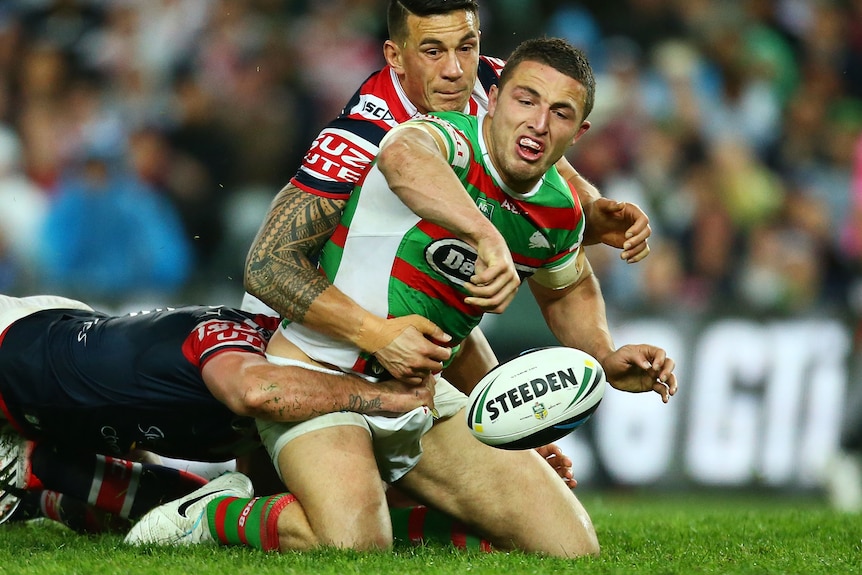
pixel 363 528
pixel 370 540
pixel 582 543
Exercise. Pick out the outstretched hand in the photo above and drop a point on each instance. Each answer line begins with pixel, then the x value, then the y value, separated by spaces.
pixel 638 368
pixel 621 225
pixel 407 347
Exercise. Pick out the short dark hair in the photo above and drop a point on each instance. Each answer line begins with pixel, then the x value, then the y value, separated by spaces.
pixel 399 10
pixel 560 55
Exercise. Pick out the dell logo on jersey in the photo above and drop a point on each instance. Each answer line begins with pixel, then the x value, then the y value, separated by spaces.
pixel 453 259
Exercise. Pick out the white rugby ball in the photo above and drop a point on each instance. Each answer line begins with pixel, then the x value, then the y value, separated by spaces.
pixel 535 398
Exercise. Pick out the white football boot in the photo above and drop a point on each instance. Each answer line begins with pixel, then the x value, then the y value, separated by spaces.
pixel 183 521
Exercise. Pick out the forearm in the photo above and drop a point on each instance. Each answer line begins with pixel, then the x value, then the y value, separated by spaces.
pixel 418 174
pixel 301 398
pixel 279 271
pixel 251 386
pixel 586 191
pixel 587 194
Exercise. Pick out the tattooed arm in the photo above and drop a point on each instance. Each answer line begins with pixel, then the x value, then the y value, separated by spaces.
pixel 278 269
pixel 279 272
pixel 251 386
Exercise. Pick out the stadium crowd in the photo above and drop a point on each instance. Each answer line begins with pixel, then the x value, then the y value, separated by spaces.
pixel 141 141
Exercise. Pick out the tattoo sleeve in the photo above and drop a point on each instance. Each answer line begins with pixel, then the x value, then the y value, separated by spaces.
pixel 278 268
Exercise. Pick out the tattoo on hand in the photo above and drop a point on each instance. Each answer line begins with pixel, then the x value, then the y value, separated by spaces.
pixel 361 405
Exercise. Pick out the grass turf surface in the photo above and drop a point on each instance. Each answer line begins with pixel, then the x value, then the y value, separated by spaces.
pixel 639 532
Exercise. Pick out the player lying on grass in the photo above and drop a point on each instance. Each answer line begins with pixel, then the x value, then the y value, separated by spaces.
pixel 441 167
pixel 183 382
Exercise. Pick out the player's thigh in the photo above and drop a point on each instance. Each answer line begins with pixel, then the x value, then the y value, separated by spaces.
pixel 333 474
pixel 512 497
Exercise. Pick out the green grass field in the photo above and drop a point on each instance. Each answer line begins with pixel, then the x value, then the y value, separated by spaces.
pixel 639 532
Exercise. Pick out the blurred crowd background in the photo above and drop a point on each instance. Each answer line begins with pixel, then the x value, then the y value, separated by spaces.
pixel 141 141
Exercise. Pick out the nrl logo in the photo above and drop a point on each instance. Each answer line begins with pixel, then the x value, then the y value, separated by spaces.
pixel 486 207
pixel 539 410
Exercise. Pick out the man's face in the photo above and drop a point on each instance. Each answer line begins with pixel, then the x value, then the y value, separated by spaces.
pixel 438 63
pixel 534 119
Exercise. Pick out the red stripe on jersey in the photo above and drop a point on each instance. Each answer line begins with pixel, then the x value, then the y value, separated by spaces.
pixel 416 524
pixel 482 181
pixel 553 218
pixel 339 236
pixel 578 208
pixel 436 232
pixel 529 262
pixel 423 283
pixel 546 217
pixel 558 257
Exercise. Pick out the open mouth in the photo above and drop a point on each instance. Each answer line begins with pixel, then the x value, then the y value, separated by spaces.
pixel 530 149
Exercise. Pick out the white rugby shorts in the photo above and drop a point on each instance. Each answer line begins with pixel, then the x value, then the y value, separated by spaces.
pixel 396 440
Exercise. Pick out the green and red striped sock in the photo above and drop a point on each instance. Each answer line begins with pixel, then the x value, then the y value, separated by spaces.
pixel 250 522
pixel 418 525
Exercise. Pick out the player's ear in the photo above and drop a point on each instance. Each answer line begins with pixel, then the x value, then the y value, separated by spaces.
pixel 392 54
pixel 585 125
pixel 493 94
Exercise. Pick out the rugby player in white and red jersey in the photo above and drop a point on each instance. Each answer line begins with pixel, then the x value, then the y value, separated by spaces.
pixel 433 65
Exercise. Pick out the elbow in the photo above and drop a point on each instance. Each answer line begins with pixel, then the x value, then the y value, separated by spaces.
pixel 404 148
pixel 390 155
pixel 250 403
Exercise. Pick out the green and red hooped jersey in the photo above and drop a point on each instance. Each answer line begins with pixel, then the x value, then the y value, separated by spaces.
pixel 393 263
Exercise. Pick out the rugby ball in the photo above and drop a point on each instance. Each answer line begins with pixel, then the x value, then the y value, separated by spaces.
pixel 535 398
